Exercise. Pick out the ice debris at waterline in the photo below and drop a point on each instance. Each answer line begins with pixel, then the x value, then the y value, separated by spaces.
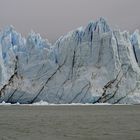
pixel 92 65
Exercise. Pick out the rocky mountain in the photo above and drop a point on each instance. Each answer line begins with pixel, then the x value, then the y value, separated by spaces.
pixel 92 64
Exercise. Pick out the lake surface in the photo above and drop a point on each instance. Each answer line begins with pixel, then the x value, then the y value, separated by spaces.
pixel 70 122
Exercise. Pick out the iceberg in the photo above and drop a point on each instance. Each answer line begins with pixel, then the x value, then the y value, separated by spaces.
pixel 90 65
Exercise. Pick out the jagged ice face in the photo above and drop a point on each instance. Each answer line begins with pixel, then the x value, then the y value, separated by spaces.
pixel 88 65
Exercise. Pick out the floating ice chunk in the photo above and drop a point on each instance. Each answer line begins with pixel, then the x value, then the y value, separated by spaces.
pixel 3 103
pixel 41 103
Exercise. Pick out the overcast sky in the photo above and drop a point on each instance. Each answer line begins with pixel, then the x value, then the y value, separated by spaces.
pixel 53 18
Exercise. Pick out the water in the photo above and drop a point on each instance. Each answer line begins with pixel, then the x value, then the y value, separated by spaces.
pixel 69 122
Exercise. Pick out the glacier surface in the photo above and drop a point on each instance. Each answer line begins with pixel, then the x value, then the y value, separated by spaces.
pixel 92 64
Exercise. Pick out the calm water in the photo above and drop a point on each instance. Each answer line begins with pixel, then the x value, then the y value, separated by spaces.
pixel 69 122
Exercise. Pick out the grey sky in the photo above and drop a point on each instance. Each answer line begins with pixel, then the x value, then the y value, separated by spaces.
pixel 53 18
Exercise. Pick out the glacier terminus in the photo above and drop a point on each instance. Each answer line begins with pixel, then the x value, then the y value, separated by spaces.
pixel 92 64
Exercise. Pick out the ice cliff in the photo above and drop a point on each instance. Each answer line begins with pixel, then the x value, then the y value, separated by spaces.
pixel 94 64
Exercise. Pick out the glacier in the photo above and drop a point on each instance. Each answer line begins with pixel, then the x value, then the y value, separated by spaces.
pixel 93 64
